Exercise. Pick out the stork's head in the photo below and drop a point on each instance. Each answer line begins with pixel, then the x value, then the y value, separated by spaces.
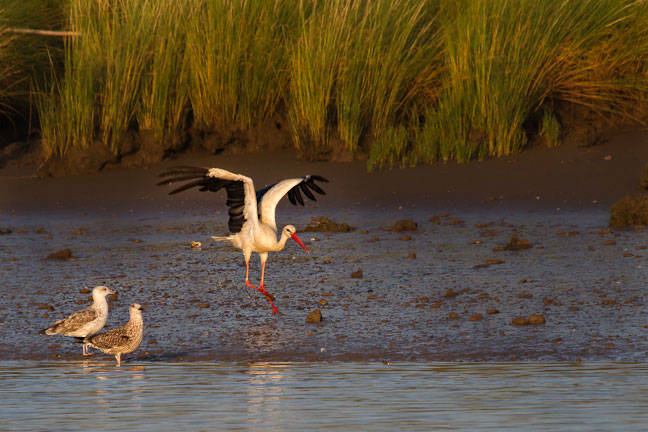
pixel 291 231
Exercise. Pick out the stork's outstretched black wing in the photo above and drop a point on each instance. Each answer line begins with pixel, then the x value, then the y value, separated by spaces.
pixel 201 179
pixel 267 197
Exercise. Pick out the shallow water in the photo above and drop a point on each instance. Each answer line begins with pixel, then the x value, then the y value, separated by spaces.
pixel 592 294
pixel 321 396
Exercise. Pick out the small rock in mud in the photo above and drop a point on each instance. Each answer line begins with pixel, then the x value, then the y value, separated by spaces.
pixel 325 224
pixel 629 210
pixel 45 306
pixel 373 240
pixel 5 231
pixel 455 221
pixel 520 321
pixel 492 311
pixel 435 220
pixel 608 242
pixel 203 305
pixel 476 317
pixel 404 225
pixel 453 315
pixel 525 295
pixel 314 317
pixel 450 293
pixel 63 254
pixel 551 302
pixel 196 244
pixel 489 262
pixel 84 291
pixel 411 256
pixel 323 302
pixel 406 238
pixel 41 231
pixel 536 319
pixel 515 244
pixel 568 233
pixel 357 274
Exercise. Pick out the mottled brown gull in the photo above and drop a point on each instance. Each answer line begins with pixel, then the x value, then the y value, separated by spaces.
pixel 86 322
pixel 121 340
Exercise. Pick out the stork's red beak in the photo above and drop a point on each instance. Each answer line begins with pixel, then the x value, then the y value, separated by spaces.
pixel 299 242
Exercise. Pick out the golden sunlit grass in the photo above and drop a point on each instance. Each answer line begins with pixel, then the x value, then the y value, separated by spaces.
pixel 7 70
pixel 406 82
pixel 505 59
pixel 237 60
pixel 23 58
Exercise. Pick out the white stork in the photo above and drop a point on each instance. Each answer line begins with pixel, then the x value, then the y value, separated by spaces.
pixel 251 213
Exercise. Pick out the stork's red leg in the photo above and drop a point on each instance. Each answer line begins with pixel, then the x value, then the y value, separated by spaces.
pixel 260 289
pixel 264 292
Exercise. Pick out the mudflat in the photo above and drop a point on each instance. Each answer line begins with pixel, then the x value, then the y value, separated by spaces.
pixel 449 289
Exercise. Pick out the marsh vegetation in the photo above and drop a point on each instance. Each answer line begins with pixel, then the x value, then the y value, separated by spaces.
pixel 398 82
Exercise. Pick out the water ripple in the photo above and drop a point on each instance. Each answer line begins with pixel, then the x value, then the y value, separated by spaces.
pixel 324 396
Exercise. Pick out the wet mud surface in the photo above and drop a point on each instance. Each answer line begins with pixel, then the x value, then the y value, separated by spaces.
pixel 447 291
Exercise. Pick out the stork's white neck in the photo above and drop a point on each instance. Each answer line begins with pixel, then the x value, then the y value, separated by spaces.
pixel 281 243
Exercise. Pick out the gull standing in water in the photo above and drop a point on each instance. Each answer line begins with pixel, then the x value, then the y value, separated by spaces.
pixel 121 340
pixel 86 322
pixel 251 213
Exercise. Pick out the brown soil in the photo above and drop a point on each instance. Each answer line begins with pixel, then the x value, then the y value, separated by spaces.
pixel 566 177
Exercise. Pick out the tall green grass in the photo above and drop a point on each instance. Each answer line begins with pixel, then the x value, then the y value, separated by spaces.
pixel 237 60
pixel 405 82
pixel 124 69
pixel 7 70
pixel 23 58
pixel 358 66
pixel 505 58
pixel 163 93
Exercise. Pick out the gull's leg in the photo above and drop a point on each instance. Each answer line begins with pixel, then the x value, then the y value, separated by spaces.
pixel 118 358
